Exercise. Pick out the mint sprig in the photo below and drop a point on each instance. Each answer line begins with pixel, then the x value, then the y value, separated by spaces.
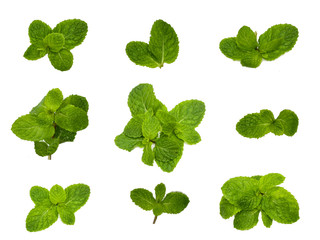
pixel 56 202
pixel 161 133
pixel 163 47
pixel 172 203
pixel 56 42
pixel 246 197
pixel 53 121
pixel 256 125
pixel 273 43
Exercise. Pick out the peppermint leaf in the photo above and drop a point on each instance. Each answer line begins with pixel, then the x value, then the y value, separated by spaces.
pixel 77 196
pixel 134 127
pixel 246 219
pixel 72 118
pixel 227 210
pixel 175 202
pixel 148 154
pixel 187 134
pixel 55 41
pixel 61 60
pixel 40 196
pixel 53 99
pixel 267 221
pixel 35 51
pixel 77 101
pixel 57 194
pixel 160 191
pixel 251 59
pixel 38 30
pixel 289 121
pixel 269 181
pixel 150 127
pixel 246 39
pixel 66 216
pixel 64 135
pixel 127 143
pixel 139 53
pixel 230 49
pixel 143 198
pixel 41 217
pixel 46 149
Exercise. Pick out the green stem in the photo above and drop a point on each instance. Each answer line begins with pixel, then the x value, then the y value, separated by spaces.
pixel 155 219
pixel 49 157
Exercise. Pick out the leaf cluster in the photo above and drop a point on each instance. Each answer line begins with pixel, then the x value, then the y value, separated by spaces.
pixel 56 42
pixel 56 202
pixel 161 133
pixel 245 197
pixel 53 121
pixel 273 43
pixel 163 47
pixel 256 125
pixel 172 203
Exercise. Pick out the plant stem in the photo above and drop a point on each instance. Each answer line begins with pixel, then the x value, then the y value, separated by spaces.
pixel 49 157
pixel 155 219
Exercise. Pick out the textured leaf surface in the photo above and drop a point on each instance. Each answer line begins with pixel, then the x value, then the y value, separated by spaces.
pixel 53 99
pixel 187 134
pixel 32 128
pixel 64 135
pixel 38 30
pixel 72 118
pixel 143 198
pixel 57 194
pixel 246 219
pixel 227 210
pixel 41 217
pixel 66 216
pixel 141 99
pixel 133 128
pixel 127 143
pixel 246 39
pixel 148 154
pixel 35 51
pixel 230 49
pixel 160 191
pixel 267 221
pixel 77 196
pixel 61 60
pixel 289 121
pixel 73 30
pixel 175 202
pixel 55 41
pixel 280 205
pixel 269 181
pixel 251 59
pixel 45 149
pixel 77 101
pixel 40 196
pixel 139 53
pixel 150 127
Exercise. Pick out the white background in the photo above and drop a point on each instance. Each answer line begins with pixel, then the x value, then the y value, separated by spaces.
pixel 104 75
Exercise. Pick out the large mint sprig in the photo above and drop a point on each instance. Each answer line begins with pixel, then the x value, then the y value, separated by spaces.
pixel 56 202
pixel 56 42
pixel 273 43
pixel 53 121
pixel 161 133
pixel 172 203
pixel 163 47
pixel 246 197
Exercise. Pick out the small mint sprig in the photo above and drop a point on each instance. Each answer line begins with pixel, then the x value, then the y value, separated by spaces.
pixel 246 197
pixel 161 133
pixel 163 47
pixel 276 41
pixel 172 203
pixel 56 202
pixel 56 42
pixel 53 121
pixel 256 125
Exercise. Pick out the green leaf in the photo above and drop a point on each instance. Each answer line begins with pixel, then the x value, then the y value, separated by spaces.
pixel 77 196
pixel 32 128
pixel 187 134
pixel 57 194
pixel 167 153
pixel 158 209
pixel 267 221
pixel 38 30
pixel 243 192
pixel 246 219
pixel 127 143
pixel 227 210
pixel 133 128
pixel 55 41
pixel 280 205
pixel 41 217
pixel 164 43
pixel 175 202
pixel 160 191
pixel 269 181
pixel 40 196
pixel 251 59
pixel 73 30
pixel 143 198
pixel 66 216
pixel 148 154
pixel 189 112
pixel 53 99
pixel 35 51
pixel 230 49
pixel 77 101
pixel 150 127
pixel 72 118
pixel 64 135
pixel 246 39
pixel 139 53
pixel 61 60
pixel 284 33
pixel 45 149
pixel 277 128
pixel 257 177
pixel 289 121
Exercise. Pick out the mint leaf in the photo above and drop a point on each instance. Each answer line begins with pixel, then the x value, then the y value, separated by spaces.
pixel 283 38
pixel 32 128
pixel 45 149
pixel 41 217
pixel 267 221
pixel 143 198
pixel 175 202
pixel 227 210
pixel 150 127
pixel 61 60
pixel 277 128
pixel 230 49
pixel 148 154
pixel 38 30
pixel 157 210
pixel 251 59
pixel 246 219
pixel 66 216
pixel 53 99
pixel 280 205
pixel 187 134
pixel 133 128
pixel 289 121
pixel 127 143
pixel 246 39
pixel 139 53
pixel 77 101
pixel 64 135
pixel 57 194
pixel 35 51
pixel 160 191
pixel 73 30
pixel 55 41
pixel 40 196
pixel 72 118
pixel 77 196
pixel 269 181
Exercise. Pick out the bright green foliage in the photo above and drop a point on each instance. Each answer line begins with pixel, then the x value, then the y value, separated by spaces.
pixel 246 197
pixel 256 125
pixel 57 42
pixel 163 47
pixel 59 201
pixel 273 43
pixel 173 202
pixel 52 122
pixel 161 133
